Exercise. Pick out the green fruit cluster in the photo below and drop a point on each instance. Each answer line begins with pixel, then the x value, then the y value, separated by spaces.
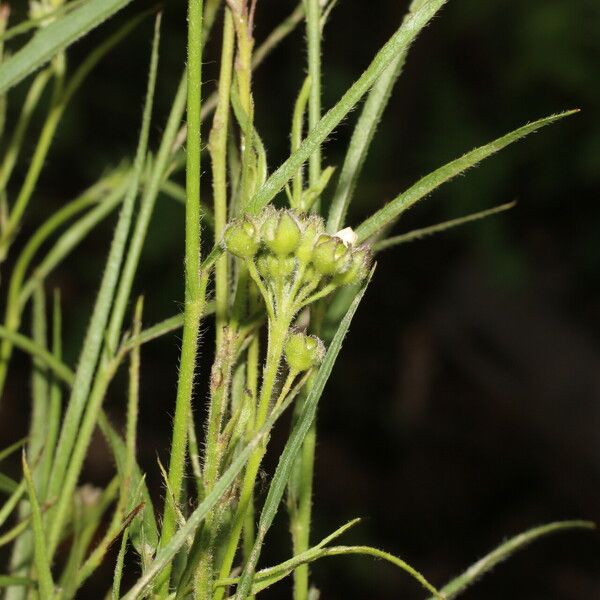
pixel 293 254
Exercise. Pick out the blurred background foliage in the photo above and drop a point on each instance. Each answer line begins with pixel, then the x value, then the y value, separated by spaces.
pixel 466 404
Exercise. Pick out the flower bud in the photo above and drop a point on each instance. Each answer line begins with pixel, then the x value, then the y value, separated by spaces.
pixel 347 235
pixel 358 269
pixel 241 238
pixel 330 256
pixel 313 228
pixel 302 352
pixel 281 232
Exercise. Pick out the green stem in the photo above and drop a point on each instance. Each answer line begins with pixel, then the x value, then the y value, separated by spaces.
pixel 277 333
pixel 14 146
pixel 313 37
pixel 218 153
pixel 195 282
pixel 296 139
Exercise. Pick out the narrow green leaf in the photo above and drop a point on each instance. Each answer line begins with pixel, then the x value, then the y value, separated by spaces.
pixel 72 237
pixel 42 564
pixel 39 379
pixel 116 588
pixel 267 577
pixel 417 234
pixel 390 212
pixel 26 344
pixel 293 446
pixel 142 531
pixel 54 38
pixel 401 39
pixel 12 502
pixel 12 448
pixel 363 134
pixel 504 551
pixel 64 464
pixel 7 484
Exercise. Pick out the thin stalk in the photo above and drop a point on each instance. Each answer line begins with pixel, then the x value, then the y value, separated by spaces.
pixel 14 146
pixel 144 216
pixel 195 284
pixel 41 559
pixel 218 153
pixel 277 334
pixel 39 379
pixel 313 38
pixel 55 396
pixel 296 139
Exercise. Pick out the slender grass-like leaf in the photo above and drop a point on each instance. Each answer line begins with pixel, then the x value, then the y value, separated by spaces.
pixel 268 577
pixel 399 40
pixel 26 344
pixel 12 502
pixel 55 401
pixel 504 551
pixel 118 576
pixel 39 378
pixel 390 212
pixel 71 238
pixel 293 446
pixel 363 134
pixel 16 141
pixel 7 484
pixel 142 531
pixel 6 452
pixel 54 38
pixel 29 24
pixel 417 234
pixel 65 469
pixel 42 564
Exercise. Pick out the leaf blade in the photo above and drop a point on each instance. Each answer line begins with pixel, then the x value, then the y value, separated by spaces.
pixel 427 184
pixel 504 551
pixel 403 36
pixel 54 38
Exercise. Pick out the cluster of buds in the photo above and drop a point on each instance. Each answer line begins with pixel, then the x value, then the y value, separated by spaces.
pixel 293 260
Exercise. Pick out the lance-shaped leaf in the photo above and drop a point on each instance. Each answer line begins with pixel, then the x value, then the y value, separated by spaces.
pixel 390 212
pixel 54 38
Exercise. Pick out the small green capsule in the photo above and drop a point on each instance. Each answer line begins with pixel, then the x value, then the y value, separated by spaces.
pixel 241 238
pixel 302 352
pixel 330 256
pixel 359 267
pixel 281 233
pixel 313 228
pixel 279 267
pixel 262 264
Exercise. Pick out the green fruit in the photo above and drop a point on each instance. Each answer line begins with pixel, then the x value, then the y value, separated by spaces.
pixel 358 269
pixel 330 255
pixel 303 352
pixel 241 238
pixel 313 228
pixel 281 233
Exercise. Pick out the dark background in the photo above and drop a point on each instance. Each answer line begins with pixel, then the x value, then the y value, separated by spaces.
pixel 465 407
